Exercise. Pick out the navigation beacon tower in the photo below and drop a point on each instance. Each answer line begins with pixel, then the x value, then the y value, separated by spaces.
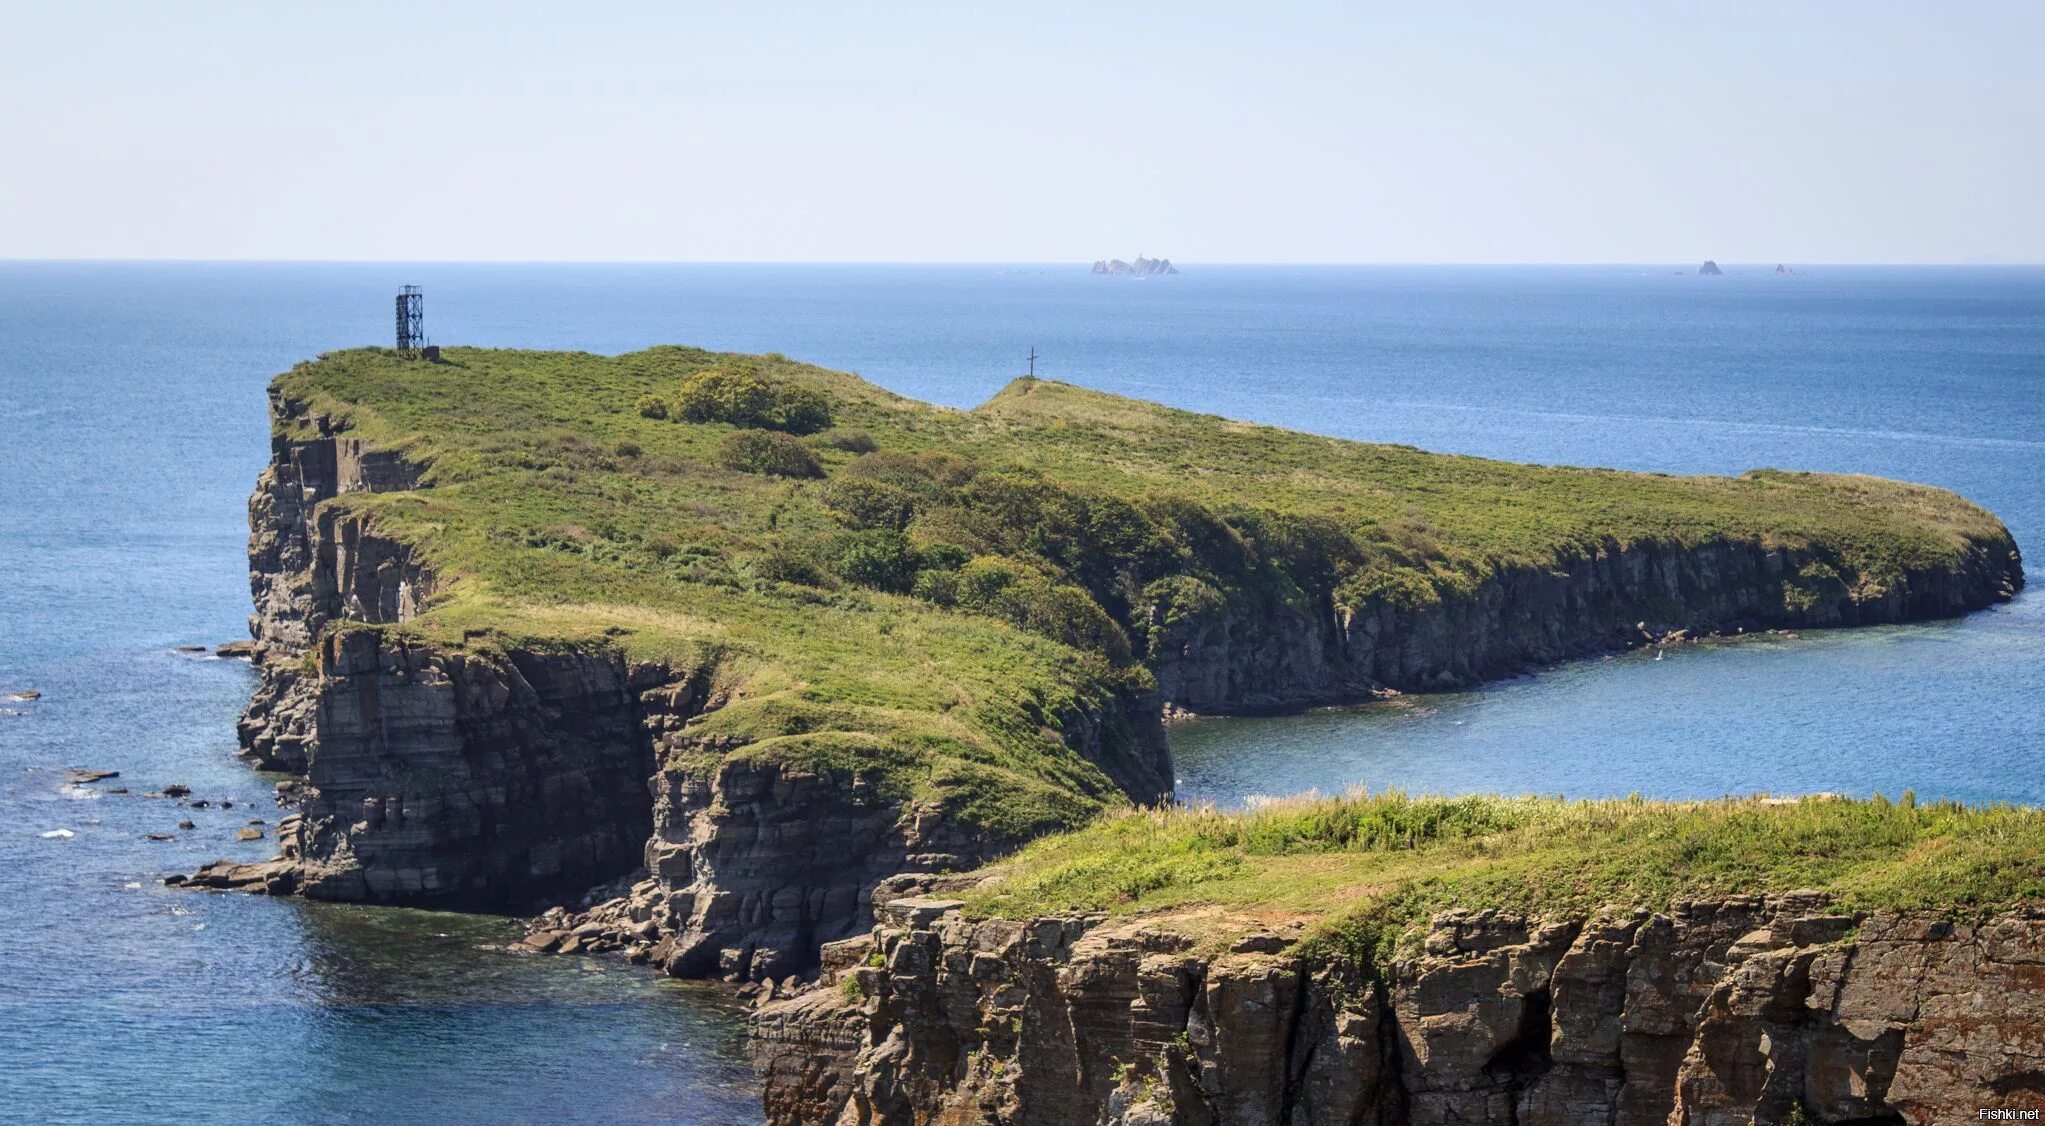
pixel 411 320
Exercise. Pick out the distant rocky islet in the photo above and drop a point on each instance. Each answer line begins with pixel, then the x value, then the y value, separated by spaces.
pixel 1141 268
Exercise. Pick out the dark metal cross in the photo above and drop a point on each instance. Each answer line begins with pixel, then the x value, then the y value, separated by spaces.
pixel 1033 361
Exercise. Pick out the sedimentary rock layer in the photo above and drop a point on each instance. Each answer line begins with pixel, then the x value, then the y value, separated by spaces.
pixel 1736 1010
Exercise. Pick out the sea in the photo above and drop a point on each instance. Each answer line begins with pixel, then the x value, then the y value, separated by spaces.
pixel 132 428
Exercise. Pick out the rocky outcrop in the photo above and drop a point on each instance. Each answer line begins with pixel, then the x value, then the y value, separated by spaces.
pixel 1709 269
pixel 1141 268
pixel 1731 1011
pixel 310 565
pixel 756 864
pixel 1236 658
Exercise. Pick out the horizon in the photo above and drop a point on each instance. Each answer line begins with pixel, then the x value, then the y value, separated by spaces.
pixel 1726 263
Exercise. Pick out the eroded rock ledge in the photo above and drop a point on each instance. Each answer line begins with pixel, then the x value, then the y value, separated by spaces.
pixel 1734 1010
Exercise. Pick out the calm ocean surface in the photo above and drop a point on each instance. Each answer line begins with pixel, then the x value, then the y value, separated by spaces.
pixel 132 427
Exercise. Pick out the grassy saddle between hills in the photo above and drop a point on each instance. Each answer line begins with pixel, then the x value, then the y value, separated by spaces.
pixel 1361 875
pixel 934 600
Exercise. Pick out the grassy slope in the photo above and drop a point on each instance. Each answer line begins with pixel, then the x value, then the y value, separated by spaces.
pixel 558 514
pixel 1369 870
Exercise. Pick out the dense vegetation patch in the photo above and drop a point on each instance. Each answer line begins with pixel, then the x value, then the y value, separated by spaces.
pixel 940 601
pixel 1372 869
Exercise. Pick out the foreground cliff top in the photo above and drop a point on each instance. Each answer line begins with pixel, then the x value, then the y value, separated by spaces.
pixel 955 607
pixel 1366 873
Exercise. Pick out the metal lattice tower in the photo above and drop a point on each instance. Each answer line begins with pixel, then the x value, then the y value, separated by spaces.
pixel 411 320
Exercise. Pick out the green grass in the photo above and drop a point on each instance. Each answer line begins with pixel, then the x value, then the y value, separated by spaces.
pixel 962 589
pixel 1370 870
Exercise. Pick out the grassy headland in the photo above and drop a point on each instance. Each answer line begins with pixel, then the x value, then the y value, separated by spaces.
pixel 917 594
pixel 1370 870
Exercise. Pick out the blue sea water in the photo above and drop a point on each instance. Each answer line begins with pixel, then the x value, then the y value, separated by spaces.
pixel 131 428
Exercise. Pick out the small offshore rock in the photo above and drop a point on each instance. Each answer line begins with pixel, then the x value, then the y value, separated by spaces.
pixel 186 825
pixel 191 648
pixel 236 649
pixel 25 694
pixel 160 836
pixel 276 876
pixel 176 790
pixel 248 833
pixel 78 777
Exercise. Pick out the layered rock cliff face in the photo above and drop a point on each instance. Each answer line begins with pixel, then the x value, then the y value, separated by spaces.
pixel 1733 1011
pixel 758 865
pixel 1238 658
pixel 456 778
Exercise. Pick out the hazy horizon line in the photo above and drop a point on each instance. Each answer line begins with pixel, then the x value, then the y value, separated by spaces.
pixel 1057 262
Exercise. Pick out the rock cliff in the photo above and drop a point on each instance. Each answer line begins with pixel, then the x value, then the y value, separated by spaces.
pixel 1233 658
pixel 1725 1011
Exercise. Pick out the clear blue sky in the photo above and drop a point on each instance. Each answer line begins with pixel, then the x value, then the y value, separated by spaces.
pixel 1272 132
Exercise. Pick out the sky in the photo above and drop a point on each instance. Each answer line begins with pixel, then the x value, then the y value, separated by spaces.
pixel 1216 132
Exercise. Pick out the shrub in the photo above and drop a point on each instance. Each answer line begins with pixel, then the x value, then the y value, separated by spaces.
pixel 783 566
pixel 941 587
pixel 861 502
pixel 1027 598
pixel 767 452
pixel 744 398
pixel 629 448
pixel 851 441
pixel 650 406
pixel 878 559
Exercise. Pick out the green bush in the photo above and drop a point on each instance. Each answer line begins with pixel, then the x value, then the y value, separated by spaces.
pixel 741 396
pixel 651 406
pixel 862 502
pixel 851 441
pixel 767 452
pixel 1027 598
pixel 629 448
pixel 878 559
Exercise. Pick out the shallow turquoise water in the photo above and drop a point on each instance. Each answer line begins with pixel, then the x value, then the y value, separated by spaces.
pixel 131 428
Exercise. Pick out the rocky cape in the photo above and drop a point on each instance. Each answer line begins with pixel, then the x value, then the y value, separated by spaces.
pixel 1736 1010
pixel 509 778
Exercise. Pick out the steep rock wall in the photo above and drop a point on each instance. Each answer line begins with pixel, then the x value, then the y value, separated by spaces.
pixel 760 864
pixel 465 779
pixel 1732 1011
pixel 1273 657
